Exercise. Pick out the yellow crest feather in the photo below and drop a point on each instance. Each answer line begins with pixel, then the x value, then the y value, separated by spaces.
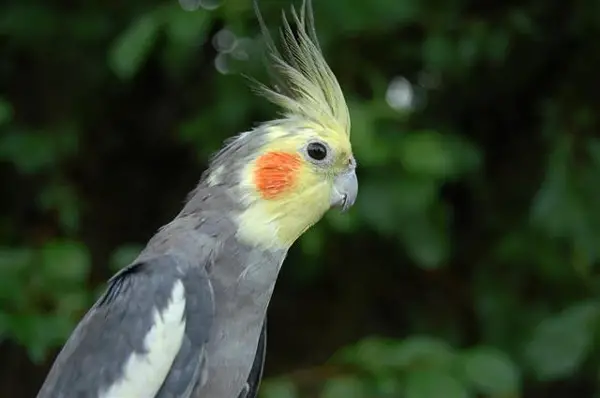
pixel 305 87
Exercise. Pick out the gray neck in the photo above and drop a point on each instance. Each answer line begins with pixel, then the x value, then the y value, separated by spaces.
pixel 242 278
pixel 204 233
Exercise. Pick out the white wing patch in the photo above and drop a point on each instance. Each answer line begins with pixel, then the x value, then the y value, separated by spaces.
pixel 143 374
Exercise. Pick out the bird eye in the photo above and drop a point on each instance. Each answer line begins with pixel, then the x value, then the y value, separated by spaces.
pixel 316 151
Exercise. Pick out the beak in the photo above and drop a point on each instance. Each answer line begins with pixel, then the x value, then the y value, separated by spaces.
pixel 345 189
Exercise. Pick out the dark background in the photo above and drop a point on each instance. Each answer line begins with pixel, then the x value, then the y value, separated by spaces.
pixel 467 267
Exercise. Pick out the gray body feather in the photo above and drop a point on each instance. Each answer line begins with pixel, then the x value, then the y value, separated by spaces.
pixel 253 383
pixel 227 288
pixel 93 358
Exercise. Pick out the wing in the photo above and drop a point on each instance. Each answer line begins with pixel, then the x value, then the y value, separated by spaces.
pixel 144 337
pixel 256 373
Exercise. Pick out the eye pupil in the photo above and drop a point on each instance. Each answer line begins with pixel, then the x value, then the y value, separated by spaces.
pixel 317 151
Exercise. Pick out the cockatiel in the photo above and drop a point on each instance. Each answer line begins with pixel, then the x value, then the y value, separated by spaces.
pixel 187 318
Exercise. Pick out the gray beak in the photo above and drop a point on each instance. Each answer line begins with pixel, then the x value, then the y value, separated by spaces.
pixel 345 189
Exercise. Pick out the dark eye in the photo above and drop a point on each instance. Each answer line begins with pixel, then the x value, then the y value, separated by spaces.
pixel 316 151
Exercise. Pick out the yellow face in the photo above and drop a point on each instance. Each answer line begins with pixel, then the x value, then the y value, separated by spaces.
pixel 292 183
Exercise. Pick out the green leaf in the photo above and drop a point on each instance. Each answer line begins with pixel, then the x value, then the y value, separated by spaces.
pixel 344 387
pixel 565 206
pixel 379 355
pixel 62 198
pixel 387 385
pixel 4 326
pixel 185 32
pixel 437 155
pixel 69 304
pixel 65 261
pixel 498 45
pixel 369 147
pixel 425 236
pixel 186 28
pixel 6 111
pixel 556 207
pixel 425 153
pixel 312 241
pixel 560 343
pixel 438 52
pixel 280 388
pixel 15 258
pixel 29 151
pixel 377 205
pixel 124 255
pixel 39 333
pixel 371 354
pixel 522 22
pixel 491 371
pixel 423 351
pixel 433 384
pixel 342 222
pixel 14 268
pixel 417 194
pixel 468 49
pixel 18 19
pixel 593 148
pixel 391 206
pixel 131 49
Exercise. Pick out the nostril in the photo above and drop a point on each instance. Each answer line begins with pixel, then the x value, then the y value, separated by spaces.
pixel 351 162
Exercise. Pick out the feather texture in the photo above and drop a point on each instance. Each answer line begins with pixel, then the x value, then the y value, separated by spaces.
pixel 304 84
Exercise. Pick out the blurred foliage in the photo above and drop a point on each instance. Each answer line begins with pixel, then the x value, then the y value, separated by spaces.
pixel 466 268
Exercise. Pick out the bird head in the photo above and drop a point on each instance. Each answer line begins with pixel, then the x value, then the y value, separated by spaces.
pixel 288 172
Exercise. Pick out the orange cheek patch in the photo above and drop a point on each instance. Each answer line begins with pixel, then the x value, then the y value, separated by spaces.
pixel 275 173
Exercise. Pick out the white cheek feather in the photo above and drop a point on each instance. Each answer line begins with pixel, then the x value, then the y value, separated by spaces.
pixel 143 374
